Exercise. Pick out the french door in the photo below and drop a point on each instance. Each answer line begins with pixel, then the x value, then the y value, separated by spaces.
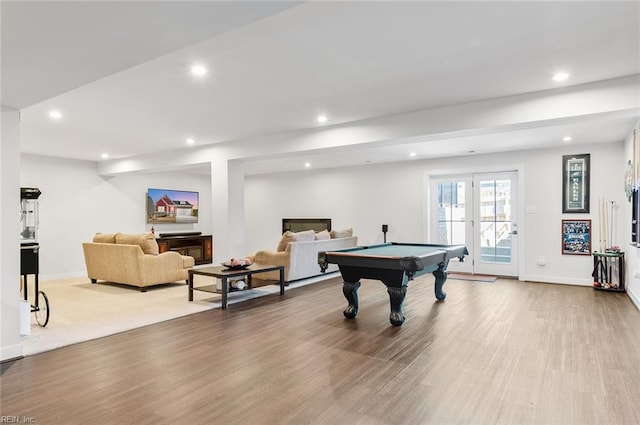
pixel 478 210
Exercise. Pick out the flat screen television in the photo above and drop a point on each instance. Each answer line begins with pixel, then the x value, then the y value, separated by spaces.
pixel 172 206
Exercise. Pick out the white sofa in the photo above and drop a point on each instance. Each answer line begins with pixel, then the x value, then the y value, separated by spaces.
pixel 298 253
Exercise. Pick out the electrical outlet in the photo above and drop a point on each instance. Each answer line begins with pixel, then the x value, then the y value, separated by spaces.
pixel 541 262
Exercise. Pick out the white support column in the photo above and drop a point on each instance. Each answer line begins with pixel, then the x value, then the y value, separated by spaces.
pixel 227 186
pixel 10 340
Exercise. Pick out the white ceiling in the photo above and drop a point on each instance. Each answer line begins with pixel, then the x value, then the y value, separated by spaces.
pixel 118 71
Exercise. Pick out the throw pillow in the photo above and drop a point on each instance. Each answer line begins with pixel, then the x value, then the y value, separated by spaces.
pixel 320 236
pixel 345 233
pixel 105 237
pixel 146 241
pixel 305 236
pixel 284 240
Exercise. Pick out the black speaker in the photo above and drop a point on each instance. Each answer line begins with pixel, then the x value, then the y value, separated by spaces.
pixel 385 228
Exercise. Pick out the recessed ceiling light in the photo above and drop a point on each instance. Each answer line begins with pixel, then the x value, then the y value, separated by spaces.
pixel 55 114
pixel 190 141
pixel 560 76
pixel 322 119
pixel 412 154
pixel 307 164
pixel 566 139
pixel 198 70
pixel 104 156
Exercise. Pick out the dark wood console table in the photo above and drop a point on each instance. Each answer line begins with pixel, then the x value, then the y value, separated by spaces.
pixel 200 247
pixel 225 273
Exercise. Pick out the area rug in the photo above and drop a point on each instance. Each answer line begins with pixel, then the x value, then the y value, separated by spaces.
pixel 472 277
pixel 81 311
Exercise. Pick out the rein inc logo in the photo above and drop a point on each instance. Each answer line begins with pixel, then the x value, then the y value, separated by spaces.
pixel 16 420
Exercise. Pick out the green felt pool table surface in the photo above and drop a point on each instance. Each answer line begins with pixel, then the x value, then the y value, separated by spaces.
pixel 409 257
pixel 396 250
pixel 394 264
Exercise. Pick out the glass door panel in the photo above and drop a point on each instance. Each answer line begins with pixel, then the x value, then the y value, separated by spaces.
pixel 496 252
pixel 451 213
pixel 479 211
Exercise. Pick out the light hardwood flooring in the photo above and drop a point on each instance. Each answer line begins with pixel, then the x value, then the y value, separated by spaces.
pixel 493 353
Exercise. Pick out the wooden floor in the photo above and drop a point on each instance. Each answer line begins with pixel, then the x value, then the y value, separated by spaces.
pixel 493 353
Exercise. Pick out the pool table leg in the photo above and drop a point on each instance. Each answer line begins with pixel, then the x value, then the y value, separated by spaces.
pixel 350 291
pixel 396 298
pixel 441 277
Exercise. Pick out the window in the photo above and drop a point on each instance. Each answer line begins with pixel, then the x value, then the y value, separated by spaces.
pixel 451 213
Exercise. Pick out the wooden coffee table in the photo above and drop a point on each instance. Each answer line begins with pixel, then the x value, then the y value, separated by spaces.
pixel 225 274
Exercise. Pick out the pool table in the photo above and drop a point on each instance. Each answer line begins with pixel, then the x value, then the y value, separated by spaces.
pixel 395 264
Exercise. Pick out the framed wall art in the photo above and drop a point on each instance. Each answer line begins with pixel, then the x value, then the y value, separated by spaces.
pixel 576 237
pixel 575 183
pixel 172 206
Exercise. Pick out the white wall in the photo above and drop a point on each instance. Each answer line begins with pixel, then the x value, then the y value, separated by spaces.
pixel 362 197
pixel 366 197
pixel 632 255
pixel 10 341
pixel 76 203
pixel 543 189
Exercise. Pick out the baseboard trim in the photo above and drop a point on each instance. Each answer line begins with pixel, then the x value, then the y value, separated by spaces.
pixel 60 276
pixel 559 280
pixel 634 299
pixel 11 353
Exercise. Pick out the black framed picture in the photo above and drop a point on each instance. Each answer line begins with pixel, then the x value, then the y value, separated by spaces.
pixel 575 183
pixel 576 237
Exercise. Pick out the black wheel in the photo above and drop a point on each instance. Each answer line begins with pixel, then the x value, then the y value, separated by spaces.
pixel 42 311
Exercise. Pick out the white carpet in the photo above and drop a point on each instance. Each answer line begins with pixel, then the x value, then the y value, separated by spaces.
pixel 81 311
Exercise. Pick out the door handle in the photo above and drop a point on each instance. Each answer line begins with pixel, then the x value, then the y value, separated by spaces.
pixel 514 232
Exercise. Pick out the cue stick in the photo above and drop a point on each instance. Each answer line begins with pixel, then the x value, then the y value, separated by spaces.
pixel 600 222
pixel 604 229
pixel 604 213
pixel 606 225
pixel 633 160
pixel 610 215
pixel 602 275
pixel 612 225
pixel 599 227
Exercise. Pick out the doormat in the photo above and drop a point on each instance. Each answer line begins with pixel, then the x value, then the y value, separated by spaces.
pixel 472 277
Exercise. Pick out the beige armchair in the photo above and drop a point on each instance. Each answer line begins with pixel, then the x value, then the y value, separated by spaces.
pixel 133 260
